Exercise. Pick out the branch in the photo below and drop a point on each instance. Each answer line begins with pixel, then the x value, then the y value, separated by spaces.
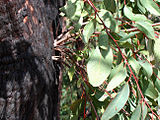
pixel 136 29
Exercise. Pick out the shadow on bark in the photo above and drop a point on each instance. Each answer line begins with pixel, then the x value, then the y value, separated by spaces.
pixel 27 86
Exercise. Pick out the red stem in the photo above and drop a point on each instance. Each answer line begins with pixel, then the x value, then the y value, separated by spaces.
pixel 125 59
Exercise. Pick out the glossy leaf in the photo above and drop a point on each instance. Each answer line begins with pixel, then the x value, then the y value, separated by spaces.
pixel 117 103
pixel 99 66
pixel 151 6
pixel 117 76
pixel 103 97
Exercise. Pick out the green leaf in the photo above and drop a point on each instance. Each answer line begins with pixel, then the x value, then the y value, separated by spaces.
pixel 103 97
pixel 69 9
pixel 75 105
pixel 71 73
pixel 151 6
pixel 137 113
pixel 146 28
pixel 108 19
pixel 157 79
pixel 146 67
pixel 117 76
pixel 110 5
pixel 99 66
pixel 150 91
pixel 88 31
pixel 156 51
pixel 144 110
pixel 135 64
pixel 134 17
pixel 117 103
pixel 127 36
pixel 103 39
pixel 141 8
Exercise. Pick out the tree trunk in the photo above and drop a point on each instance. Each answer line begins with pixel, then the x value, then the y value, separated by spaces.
pixel 28 77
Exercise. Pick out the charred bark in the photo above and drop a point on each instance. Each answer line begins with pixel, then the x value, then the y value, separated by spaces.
pixel 28 76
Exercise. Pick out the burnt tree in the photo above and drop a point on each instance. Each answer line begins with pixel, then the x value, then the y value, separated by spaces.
pixel 28 76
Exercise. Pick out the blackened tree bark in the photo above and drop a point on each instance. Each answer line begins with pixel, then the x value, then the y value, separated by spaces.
pixel 28 76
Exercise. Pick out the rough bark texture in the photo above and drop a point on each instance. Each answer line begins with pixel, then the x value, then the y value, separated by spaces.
pixel 28 78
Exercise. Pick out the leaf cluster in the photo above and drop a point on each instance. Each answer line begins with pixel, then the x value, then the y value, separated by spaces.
pixel 113 59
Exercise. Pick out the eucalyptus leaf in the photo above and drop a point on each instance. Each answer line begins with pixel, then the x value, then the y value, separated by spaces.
pixel 147 68
pixel 117 76
pixel 151 6
pixel 103 39
pixel 88 31
pixel 156 51
pixel 99 66
pixel 117 103
pixel 137 113
pixel 75 105
pixel 134 64
pixel 157 79
pixel 108 19
pixel 127 36
pixel 146 28
pixel 144 110
pixel 150 91
pixel 134 17
pixel 110 5
pixel 71 73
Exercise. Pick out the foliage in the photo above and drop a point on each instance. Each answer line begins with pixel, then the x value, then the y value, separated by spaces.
pixel 112 58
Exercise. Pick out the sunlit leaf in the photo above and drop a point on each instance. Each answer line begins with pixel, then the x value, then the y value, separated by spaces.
pixel 134 17
pixel 146 28
pixel 117 76
pixel 144 110
pixel 71 73
pixel 88 31
pixel 137 113
pixel 103 97
pixel 99 66
pixel 156 50
pixel 151 6
pixel 135 64
pixel 147 68
pixel 127 36
pixel 117 103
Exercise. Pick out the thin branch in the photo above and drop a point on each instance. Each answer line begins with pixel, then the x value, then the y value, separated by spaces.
pixel 136 29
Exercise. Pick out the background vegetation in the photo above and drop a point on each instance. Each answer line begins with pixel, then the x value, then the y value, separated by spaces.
pixel 111 54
